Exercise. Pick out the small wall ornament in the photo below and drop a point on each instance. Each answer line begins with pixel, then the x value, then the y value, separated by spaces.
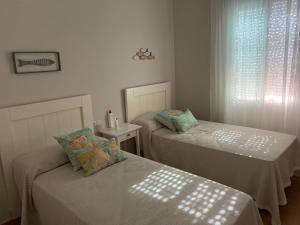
pixel 143 54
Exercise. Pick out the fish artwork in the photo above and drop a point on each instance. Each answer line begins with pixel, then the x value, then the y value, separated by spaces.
pixel 36 62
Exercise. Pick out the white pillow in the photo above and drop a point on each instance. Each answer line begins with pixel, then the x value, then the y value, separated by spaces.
pixel 148 121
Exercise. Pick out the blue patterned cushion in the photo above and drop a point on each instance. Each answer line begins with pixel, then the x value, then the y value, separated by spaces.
pixel 84 144
pixel 76 143
pixel 165 118
pixel 184 121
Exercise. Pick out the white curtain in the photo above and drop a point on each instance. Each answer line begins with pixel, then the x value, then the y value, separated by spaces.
pixel 255 79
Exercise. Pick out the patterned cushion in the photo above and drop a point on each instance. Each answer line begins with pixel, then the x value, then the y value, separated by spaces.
pixel 105 154
pixel 184 121
pixel 76 143
pixel 82 145
pixel 94 160
pixel 165 118
pixel 113 150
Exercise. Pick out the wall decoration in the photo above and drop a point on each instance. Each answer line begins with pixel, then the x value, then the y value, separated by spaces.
pixel 36 62
pixel 143 54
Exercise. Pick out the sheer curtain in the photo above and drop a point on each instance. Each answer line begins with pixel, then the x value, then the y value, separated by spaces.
pixel 255 78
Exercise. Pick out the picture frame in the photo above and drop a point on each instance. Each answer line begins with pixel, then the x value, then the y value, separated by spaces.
pixel 36 62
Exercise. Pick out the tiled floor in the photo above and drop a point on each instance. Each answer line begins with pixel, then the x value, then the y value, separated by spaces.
pixel 290 214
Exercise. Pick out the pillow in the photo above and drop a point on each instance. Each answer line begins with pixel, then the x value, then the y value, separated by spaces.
pixel 184 121
pixel 114 151
pixel 105 154
pixel 94 160
pixel 165 117
pixel 148 121
pixel 84 141
pixel 76 143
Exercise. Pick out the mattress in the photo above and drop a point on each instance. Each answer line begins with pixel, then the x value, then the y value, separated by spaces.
pixel 257 162
pixel 138 191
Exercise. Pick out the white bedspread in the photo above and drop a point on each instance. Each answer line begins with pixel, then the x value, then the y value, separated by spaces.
pixel 138 192
pixel 26 168
pixel 257 162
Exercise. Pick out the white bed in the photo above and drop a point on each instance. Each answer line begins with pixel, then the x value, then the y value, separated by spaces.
pixel 257 162
pixel 128 193
pixel 135 191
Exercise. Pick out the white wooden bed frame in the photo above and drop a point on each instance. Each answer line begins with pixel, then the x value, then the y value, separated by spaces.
pixel 148 98
pixel 32 127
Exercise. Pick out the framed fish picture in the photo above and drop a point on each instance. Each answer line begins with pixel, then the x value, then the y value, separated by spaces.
pixel 36 62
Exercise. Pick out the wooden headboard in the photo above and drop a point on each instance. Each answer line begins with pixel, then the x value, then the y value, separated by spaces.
pixel 32 127
pixel 148 98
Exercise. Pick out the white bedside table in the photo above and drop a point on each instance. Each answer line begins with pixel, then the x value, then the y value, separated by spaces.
pixel 125 132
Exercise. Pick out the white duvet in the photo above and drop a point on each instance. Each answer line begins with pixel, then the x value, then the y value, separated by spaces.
pixel 257 162
pixel 136 191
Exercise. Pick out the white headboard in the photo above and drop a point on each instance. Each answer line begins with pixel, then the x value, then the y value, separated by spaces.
pixel 31 127
pixel 148 98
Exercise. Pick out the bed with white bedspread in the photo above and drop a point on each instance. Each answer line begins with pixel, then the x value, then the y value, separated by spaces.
pixel 136 191
pixel 257 162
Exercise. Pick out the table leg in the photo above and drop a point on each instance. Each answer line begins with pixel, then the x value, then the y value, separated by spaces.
pixel 137 142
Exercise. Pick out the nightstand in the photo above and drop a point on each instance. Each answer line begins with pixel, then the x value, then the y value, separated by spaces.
pixel 125 132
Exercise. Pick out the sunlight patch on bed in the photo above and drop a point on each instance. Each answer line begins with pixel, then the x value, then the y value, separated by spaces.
pixel 164 184
pixel 209 204
pixel 258 143
pixel 227 136
pixel 250 145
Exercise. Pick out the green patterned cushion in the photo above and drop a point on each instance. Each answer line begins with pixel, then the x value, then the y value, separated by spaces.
pixel 84 141
pixel 184 121
pixel 105 154
pixel 94 160
pixel 77 143
pixel 113 150
pixel 165 118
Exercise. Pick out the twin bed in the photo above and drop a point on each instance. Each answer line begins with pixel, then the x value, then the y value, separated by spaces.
pixel 257 162
pixel 135 191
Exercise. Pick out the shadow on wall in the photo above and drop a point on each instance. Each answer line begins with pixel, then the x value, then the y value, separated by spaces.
pixel 10 64
pixel 123 104
pixel 4 215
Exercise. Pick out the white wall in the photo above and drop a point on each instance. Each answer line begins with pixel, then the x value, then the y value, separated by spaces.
pixel 96 38
pixel 192 55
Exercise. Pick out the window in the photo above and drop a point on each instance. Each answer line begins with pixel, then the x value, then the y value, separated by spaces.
pixel 263 52
pixel 249 34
